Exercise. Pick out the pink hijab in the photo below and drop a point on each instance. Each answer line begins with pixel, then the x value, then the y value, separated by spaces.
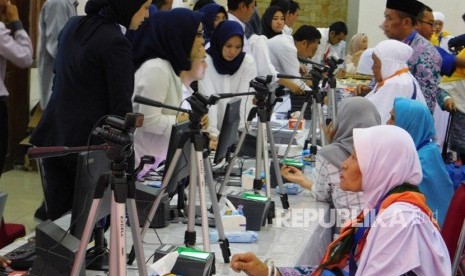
pixel 387 158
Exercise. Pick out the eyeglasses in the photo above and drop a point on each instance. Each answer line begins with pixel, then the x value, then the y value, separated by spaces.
pixel 429 23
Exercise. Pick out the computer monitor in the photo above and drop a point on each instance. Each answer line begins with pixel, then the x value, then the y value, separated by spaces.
pixel 182 167
pixel 229 130
pixel 90 166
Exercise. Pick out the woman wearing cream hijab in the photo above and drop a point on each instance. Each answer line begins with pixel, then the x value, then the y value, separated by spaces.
pixel 393 77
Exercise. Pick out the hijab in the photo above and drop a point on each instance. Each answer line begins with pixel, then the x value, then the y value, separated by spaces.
pixel 387 158
pixel 101 12
pixel 355 112
pixel 394 56
pixel 168 35
pixel 222 33
pixel 416 119
pixel 208 18
pixel 267 20
pixel 355 48
pixel 436 184
pixel 366 62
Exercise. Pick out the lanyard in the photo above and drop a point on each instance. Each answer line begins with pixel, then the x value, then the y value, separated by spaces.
pixel 397 73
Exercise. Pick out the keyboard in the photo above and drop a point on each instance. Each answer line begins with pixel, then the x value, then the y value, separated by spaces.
pixel 22 257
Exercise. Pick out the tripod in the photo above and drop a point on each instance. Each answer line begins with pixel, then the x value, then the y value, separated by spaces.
pixel 263 110
pixel 123 188
pixel 200 170
pixel 315 98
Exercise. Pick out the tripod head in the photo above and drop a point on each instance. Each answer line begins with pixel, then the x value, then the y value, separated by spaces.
pixel 119 135
pixel 332 63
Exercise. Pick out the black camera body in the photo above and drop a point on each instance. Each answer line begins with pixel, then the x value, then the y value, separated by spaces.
pixel 119 134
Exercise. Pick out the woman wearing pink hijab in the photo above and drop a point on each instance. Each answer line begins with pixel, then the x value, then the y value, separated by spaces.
pixel 357 45
pixel 396 235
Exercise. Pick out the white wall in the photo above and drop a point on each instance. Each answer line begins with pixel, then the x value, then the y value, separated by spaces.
pixel 366 16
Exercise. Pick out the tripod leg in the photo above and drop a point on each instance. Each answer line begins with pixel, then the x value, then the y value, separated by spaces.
pixel 118 227
pixel 222 240
pixel 136 235
pixel 265 128
pixel 279 179
pixel 294 132
pixel 321 120
pixel 203 204
pixel 190 235
pixel 232 162
pixel 257 184
pixel 81 254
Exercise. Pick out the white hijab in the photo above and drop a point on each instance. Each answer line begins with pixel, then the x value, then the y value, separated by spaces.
pixel 387 158
pixel 393 55
pixel 366 62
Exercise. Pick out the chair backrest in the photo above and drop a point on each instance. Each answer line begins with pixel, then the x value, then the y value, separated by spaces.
pixel 453 223
pixel 459 257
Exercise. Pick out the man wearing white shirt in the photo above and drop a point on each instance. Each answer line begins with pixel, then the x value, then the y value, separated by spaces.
pixel 292 16
pixel 241 11
pixel 331 43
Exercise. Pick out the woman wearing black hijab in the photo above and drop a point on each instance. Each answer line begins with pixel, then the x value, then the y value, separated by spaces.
pixel 94 77
pixel 166 56
pixel 273 21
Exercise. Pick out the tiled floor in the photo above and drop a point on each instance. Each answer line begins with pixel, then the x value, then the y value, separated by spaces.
pixel 25 194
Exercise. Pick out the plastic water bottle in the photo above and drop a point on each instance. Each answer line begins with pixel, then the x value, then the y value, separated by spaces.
pixel 240 210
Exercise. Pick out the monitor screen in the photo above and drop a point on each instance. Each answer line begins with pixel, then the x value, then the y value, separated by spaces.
pixel 182 169
pixel 90 166
pixel 229 130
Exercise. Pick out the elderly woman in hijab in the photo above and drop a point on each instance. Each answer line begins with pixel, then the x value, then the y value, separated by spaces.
pixel 229 70
pixel 213 14
pixel 398 236
pixel 436 185
pixel 173 41
pixel 273 21
pixel 94 77
pixel 393 77
pixel 440 38
pixel 355 112
pixel 357 45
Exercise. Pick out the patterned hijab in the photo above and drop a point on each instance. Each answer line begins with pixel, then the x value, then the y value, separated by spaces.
pixel 355 112
pixel 222 33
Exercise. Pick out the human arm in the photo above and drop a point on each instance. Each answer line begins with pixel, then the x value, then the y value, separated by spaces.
pixel 207 88
pixel 155 80
pixel 445 101
pixel 54 16
pixel 296 176
pixel 15 44
pixel 249 264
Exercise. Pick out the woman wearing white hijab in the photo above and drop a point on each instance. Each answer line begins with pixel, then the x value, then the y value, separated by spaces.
pixel 393 77
pixel 402 239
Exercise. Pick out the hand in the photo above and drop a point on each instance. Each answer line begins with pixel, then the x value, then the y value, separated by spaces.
pixel 362 90
pixel 249 264
pixel 329 132
pixel 182 117
pixel 11 12
pixel 303 70
pixel 204 122
pixel 292 174
pixel 450 106
pixel 4 262
pixel 213 143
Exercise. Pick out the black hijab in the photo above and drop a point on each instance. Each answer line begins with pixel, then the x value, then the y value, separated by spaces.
pixel 222 33
pixel 208 18
pixel 267 19
pixel 167 35
pixel 101 12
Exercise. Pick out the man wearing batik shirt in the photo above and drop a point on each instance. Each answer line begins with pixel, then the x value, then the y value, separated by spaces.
pixel 425 64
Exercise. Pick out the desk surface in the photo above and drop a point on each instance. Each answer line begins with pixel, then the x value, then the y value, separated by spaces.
pixel 289 244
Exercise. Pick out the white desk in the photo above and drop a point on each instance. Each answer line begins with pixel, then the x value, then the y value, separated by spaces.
pixel 286 245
